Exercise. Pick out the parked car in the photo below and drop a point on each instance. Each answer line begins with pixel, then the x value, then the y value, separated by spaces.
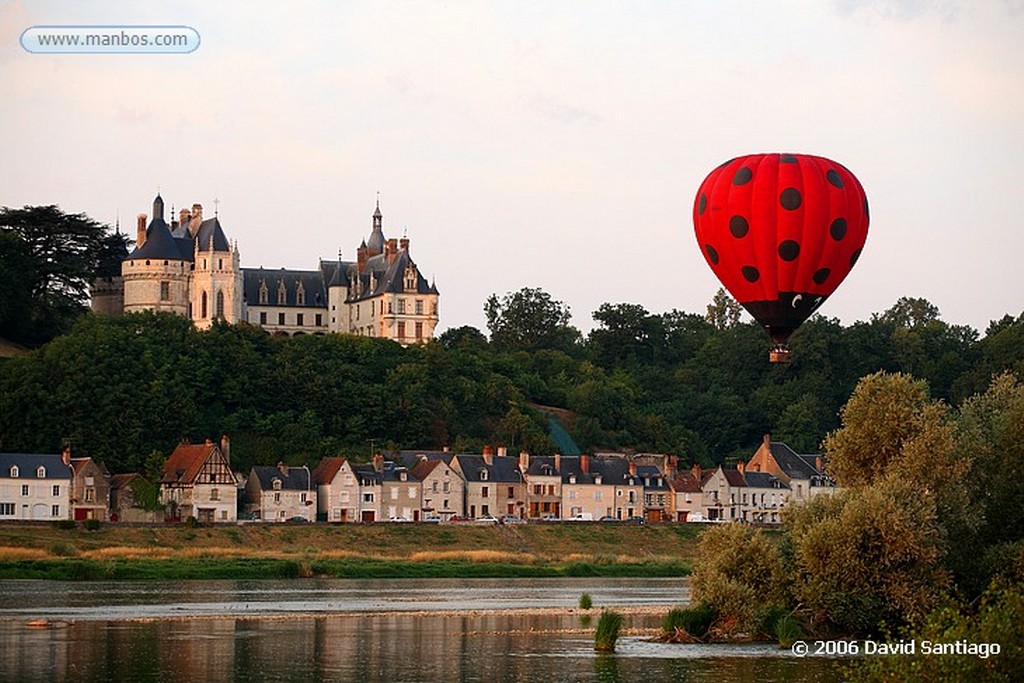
pixel 456 518
pixel 512 519
pixel 608 518
pixel 635 520
pixel 486 519
pixel 431 519
pixel 399 519
pixel 297 520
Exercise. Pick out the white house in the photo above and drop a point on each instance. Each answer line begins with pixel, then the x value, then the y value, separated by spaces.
pixel 35 487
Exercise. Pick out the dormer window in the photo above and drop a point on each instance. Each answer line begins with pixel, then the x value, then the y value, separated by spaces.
pixel 15 473
pixel 597 479
pixel 41 472
pixel 264 294
pixel 572 479
pixel 282 294
pixel 300 295
pixel 483 475
pixel 277 484
pixel 410 278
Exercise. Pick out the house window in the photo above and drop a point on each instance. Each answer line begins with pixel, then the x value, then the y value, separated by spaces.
pixel 433 487
pixel 165 291
pixel 24 489
pixel 484 492
pixel 302 497
pixel 90 495
pixel 263 317
pixel 220 305
pixel 214 494
pixel 56 489
pixel 6 509
pixel 597 495
pixel 14 472
pixel 344 498
pixel 280 318
pixel 367 497
pixel 263 292
pixel 55 510
pixel 572 494
pixel 447 487
pixel 300 319
pixel 276 484
pixel 277 497
pixel 41 472
pixel 511 491
pixel 394 494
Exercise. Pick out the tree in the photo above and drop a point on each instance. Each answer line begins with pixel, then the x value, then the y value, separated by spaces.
pixel 529 320
pixel 17 277
pixel 627 334
pixel 66 252
pixel 466 337
pixel 723 312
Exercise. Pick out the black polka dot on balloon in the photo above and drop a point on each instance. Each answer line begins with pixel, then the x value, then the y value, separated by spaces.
pixel 834 178
pixel 789 250
pixel 838 229
pixel 742 176
pixel 738 226
pixel 787 159
pixel 751 273
pixel 712 254
pixel 790 199
pixel 702 204
pixel 821 275
pixel 854 257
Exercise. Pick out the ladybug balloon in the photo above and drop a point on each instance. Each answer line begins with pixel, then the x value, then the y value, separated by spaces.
pixel 781 231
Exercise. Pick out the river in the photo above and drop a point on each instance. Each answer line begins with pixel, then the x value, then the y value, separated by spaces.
pixel 386 631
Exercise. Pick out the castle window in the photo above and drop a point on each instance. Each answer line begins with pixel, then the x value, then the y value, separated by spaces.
pixel 319 319
pixel 280 318
pixel 220 305
pixel 203 306
pixel 263 292
pixel 300 295
pixel 165 291
pixel 299 319
pixel 419 330
pixel 220 264
pixel 419 306
pixel 401 330
pixel 282 294
pixel 401 306
pixel 263 317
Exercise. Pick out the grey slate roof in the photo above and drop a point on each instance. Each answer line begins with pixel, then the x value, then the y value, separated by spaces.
pixel 312 283
pixel 503 469
pixel 161 245
pixel 29 463
pixel 792 464
pixel 764 480
pixel 210 231
pixel 296 479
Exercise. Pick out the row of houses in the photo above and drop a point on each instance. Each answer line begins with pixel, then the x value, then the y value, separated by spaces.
pixel 197 481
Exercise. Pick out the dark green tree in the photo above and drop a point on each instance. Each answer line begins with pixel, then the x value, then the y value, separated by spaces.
pixel 530 320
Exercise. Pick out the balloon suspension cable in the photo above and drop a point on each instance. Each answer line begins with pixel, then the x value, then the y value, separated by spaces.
pixel 780 353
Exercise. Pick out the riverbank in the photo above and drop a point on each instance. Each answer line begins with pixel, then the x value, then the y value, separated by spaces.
pixel 115 552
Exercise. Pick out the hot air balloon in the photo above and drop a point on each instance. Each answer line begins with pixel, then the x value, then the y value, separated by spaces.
pixel 781 231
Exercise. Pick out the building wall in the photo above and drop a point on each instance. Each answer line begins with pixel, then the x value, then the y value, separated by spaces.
pixel 254 316
pixel 216 272
pixel 401 499
pixel 90 492
pixel 338 501
pixel 442 493
pixel 29 497
pixel 143 288
pixel 206 502
pixel 588 499
pixel 107 295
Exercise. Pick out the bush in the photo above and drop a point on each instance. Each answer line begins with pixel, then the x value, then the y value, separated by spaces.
pixel 694 621
pixel 607 631
pixel 92 524
pixel 585 601
pixel 65 524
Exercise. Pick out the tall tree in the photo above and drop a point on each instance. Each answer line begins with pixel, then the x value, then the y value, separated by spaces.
pixel 529 320
pixel 723 312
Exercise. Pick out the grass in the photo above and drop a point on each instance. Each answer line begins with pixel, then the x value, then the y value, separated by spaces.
pixel 693 621
pixel 607 632
pixel 254 550
pixel 586 602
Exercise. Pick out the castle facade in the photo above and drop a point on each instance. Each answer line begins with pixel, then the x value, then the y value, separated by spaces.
pixel 188 267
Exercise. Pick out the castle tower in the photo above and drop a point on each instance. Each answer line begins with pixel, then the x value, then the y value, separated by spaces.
pixel 215 287
pixel 156 273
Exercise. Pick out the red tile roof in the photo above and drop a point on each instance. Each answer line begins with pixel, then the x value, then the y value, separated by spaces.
pixel 423 470
pixel 185 462
pixel 327 470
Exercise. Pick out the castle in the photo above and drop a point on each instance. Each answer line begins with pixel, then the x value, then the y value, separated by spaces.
pixel 188 267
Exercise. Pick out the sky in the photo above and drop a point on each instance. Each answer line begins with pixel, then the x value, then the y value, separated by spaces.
pixel 556 145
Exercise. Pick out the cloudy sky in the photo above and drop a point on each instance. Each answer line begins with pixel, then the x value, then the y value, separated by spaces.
pixel 545 144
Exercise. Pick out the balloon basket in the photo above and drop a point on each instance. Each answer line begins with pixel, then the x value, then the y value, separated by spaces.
pixel 780 354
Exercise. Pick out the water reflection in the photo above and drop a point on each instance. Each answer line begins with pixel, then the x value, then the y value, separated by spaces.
pixel 374 646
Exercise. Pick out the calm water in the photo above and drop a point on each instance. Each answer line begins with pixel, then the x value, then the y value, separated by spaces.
pixel 359 630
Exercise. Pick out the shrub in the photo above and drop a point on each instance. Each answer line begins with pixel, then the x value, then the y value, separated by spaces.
pixel 694 621
pixel 585 601
pixel 607 631
pixel 92 524
pixel 63 550
pixel 788 629
pixel 65 524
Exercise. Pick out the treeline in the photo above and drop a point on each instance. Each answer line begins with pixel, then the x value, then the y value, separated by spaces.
pixel 126 390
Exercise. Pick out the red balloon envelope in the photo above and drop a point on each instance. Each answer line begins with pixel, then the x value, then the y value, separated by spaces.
pixel 781 231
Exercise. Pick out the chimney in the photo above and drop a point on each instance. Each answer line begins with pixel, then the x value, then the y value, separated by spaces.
pixel 284 468
pixel 524 461
pixel 502 452
pixel 741 466
pixel 225 447
pixel 695 471
pixel 208 442
pixel 488 456
pixel 768 441
pixel 378 462
pixel 183 217
pixel 558 462
pixel 140 234
pixel 361 254
pixel 671 465
pixel 65 456
pixel 819 463
pixel 445 449
pixel 403 244
pixel 585 463
pixel 196 220
pixel 632 469
pixel 391 249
